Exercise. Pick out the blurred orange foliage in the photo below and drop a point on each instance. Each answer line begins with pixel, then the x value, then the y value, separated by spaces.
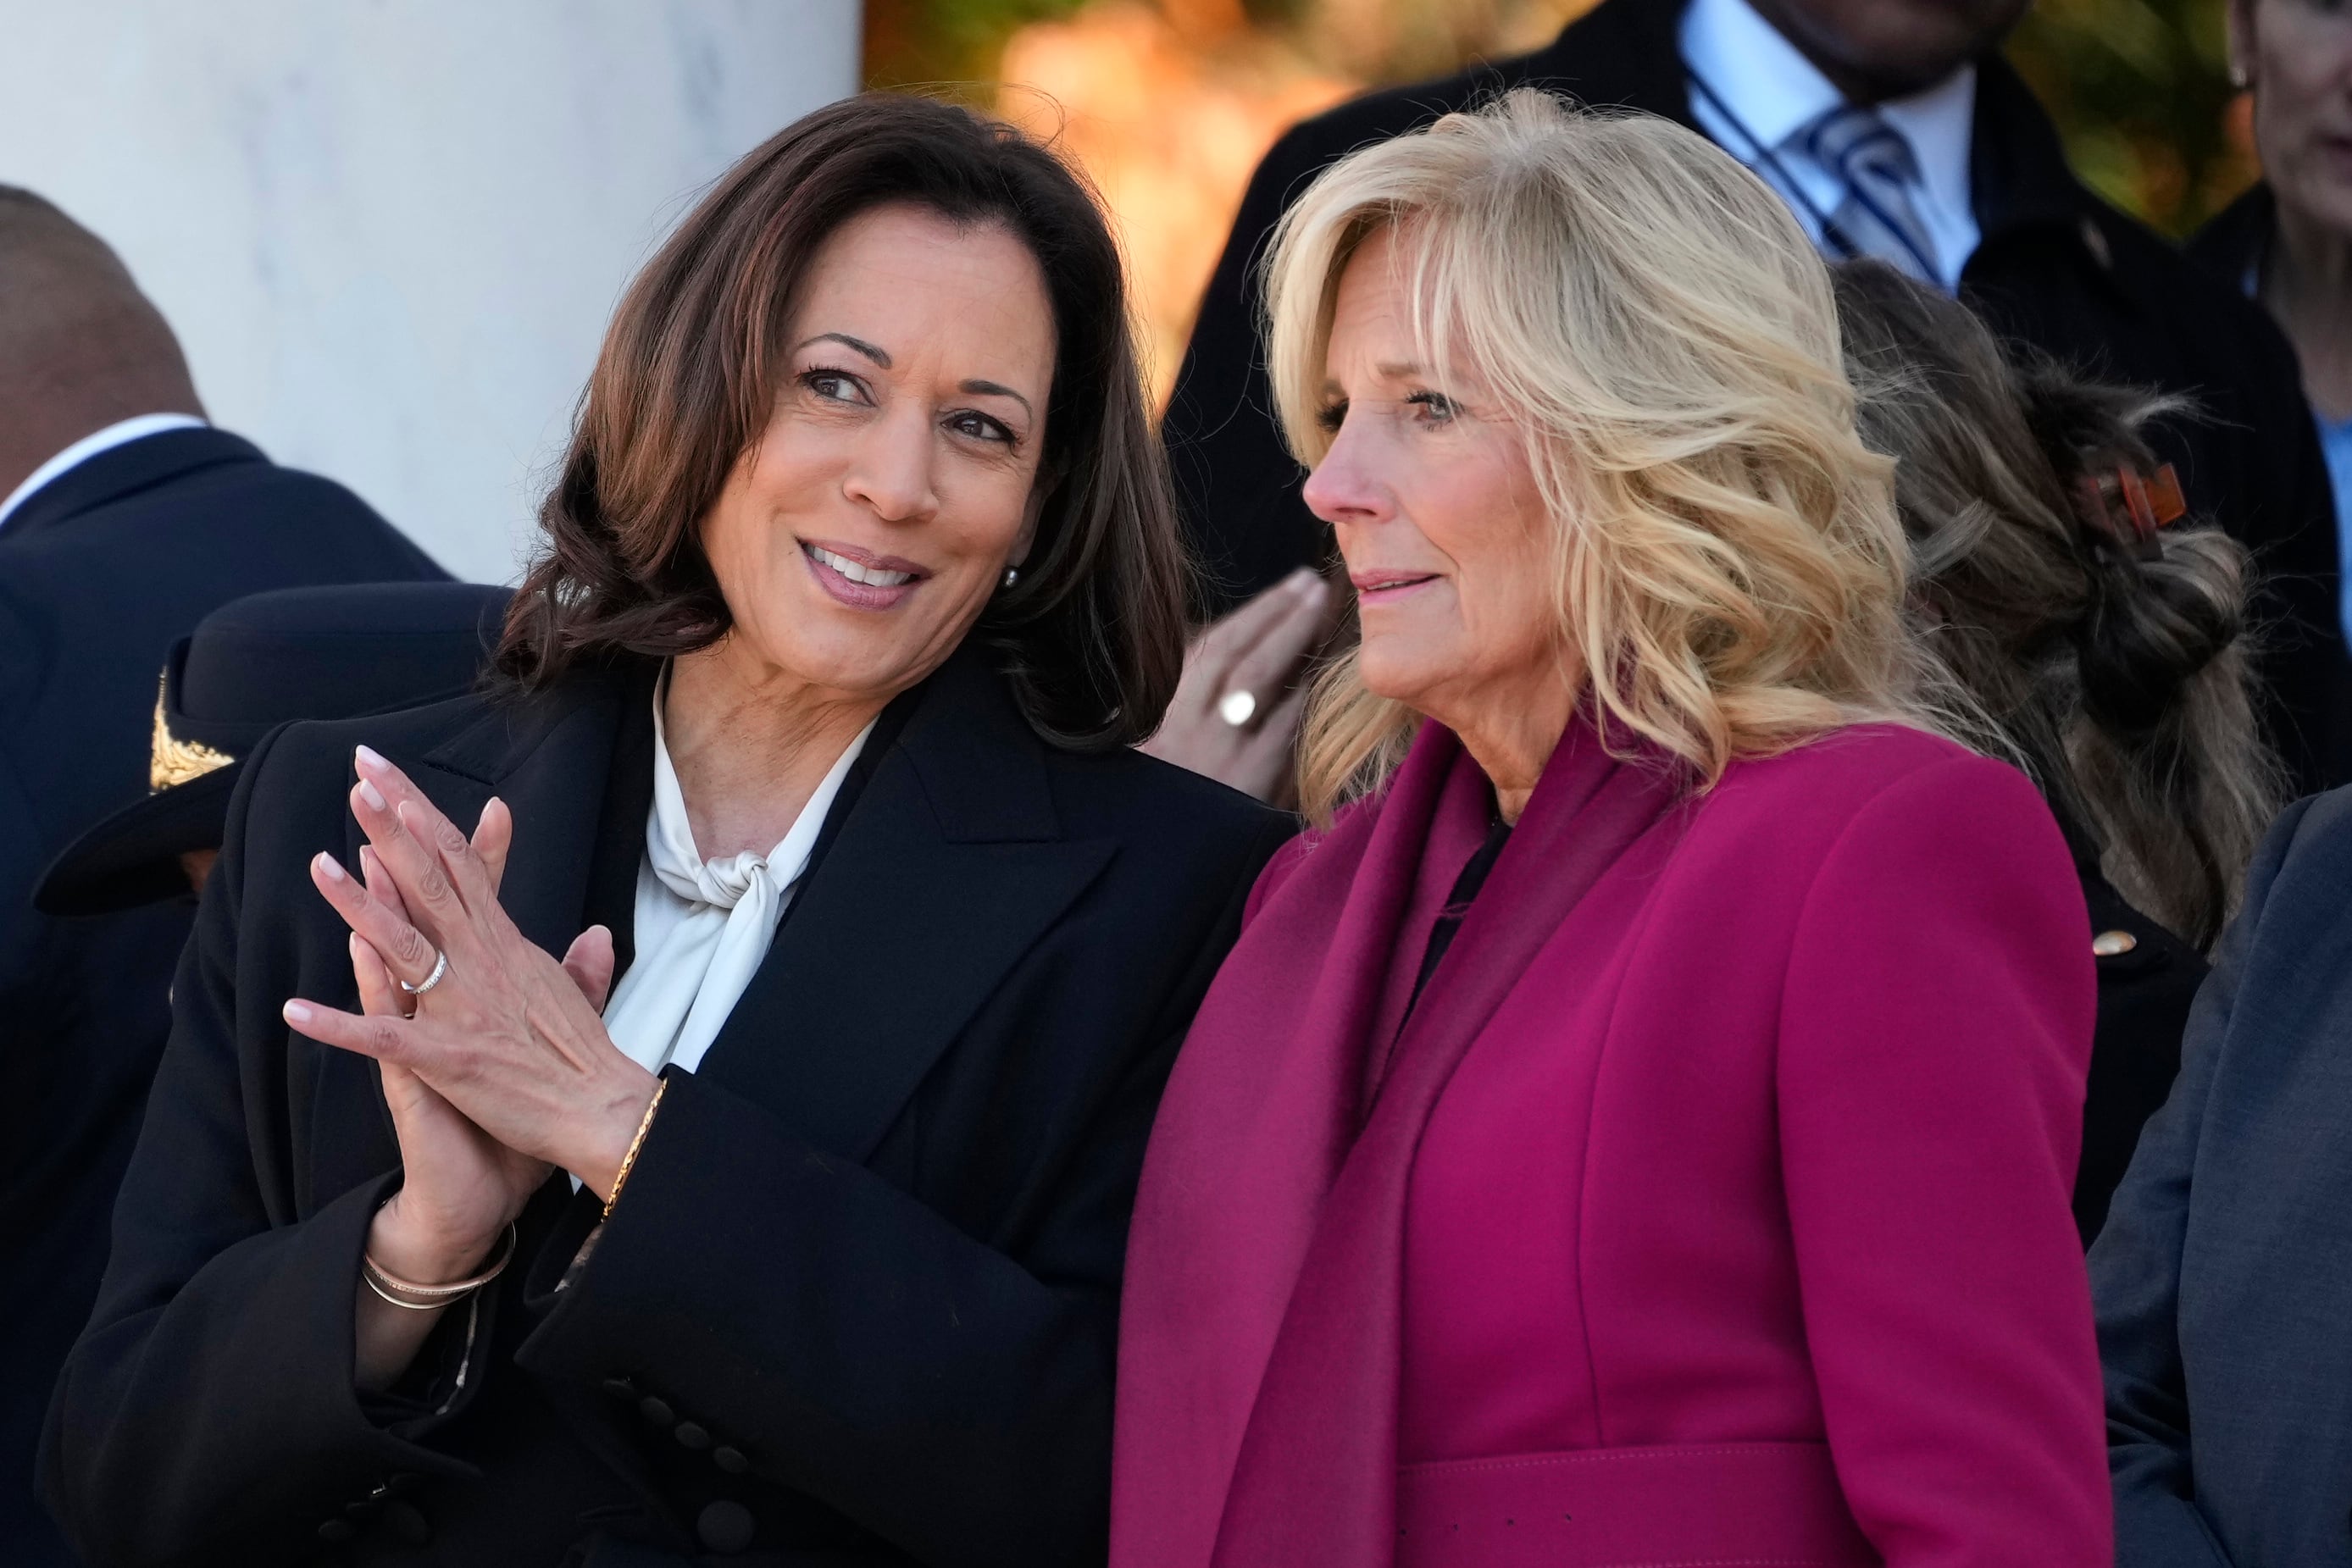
pixel 1168 104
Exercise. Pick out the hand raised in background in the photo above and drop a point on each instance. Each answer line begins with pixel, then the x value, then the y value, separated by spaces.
pixel 1236 713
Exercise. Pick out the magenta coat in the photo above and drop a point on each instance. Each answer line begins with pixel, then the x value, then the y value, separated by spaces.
pixel 1710 1206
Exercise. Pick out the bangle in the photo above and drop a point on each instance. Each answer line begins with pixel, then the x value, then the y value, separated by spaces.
pixel 386 1284
pixel 629 1159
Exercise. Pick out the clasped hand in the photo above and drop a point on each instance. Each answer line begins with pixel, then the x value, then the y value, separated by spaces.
pixel 501 1069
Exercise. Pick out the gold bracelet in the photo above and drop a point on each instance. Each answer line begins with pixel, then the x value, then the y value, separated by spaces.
pixel 621 1176
pixel 383 1282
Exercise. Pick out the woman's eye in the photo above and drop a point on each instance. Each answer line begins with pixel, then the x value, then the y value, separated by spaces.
pixel 834 386
pixel 1436 408
pixel 981 427
pixel 1332 415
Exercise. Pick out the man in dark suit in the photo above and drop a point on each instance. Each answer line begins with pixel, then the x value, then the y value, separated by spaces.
pixel 124 519
pixel 1892 128
pixel 2223 1279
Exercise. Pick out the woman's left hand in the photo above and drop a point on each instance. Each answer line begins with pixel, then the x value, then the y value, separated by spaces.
pixel 507 1036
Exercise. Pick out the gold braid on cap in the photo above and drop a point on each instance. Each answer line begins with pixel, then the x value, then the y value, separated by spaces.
pixel 175 761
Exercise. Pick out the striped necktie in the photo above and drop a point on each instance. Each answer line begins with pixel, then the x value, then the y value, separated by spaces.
pixel 1875 166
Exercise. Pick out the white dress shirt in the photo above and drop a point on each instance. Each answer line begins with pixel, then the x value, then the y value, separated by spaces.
pixel 1773 93
pixel 703 926
pixel 120 434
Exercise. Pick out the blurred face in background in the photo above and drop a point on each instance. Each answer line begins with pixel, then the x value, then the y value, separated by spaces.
pixel 1428 487
pixel 2297 55
pixel 1875 49
pixel 862 535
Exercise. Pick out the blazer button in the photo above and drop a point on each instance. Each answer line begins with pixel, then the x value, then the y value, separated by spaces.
pixel 725 1527
pixel 729 1459
pixel 336 1531
pixel 404 1524
pixel 657 1410
pixel 692 1435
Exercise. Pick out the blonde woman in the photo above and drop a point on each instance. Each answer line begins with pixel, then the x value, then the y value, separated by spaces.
pixel 1636 1124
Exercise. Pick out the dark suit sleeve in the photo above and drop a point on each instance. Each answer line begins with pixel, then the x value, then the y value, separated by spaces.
pixel 208 1410
pixel 1236 479
pixel 2136 1273
pixel 953 1397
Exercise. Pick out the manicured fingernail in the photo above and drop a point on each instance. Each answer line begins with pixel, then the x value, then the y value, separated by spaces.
pixel 1301 581
pixel 367 758
pixel 328 868
pixel 372 795
pixel 298 1013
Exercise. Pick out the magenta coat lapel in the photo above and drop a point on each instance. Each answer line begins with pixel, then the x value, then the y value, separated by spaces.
pixel 1259 1351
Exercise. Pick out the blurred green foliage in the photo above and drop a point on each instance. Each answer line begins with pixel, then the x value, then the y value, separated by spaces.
pixel 2140 89
pixel 948 43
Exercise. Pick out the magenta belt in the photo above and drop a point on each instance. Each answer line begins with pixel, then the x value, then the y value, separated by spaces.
pixel 1757 1505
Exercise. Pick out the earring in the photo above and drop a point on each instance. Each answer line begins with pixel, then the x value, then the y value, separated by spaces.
pixel 2239 76
pixel 1012 575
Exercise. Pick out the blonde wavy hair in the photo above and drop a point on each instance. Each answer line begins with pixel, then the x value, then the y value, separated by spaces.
pixel 1726 559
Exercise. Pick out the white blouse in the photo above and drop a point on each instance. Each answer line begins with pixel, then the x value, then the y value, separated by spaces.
pixel 703 927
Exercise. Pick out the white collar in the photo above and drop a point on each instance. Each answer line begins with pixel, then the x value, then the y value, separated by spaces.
pixel 120 434
pixel 1774 91
pixel 670 834
pixel 1771 89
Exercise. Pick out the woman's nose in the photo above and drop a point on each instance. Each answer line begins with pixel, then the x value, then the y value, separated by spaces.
pixel 890 471
pixel 1346 485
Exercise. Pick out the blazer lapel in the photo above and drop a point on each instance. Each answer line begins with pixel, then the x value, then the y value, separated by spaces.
pixel 948 866
pixel 550 759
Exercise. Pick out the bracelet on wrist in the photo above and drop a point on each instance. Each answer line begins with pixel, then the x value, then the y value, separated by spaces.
pixel 629 1159
pixel 418 1298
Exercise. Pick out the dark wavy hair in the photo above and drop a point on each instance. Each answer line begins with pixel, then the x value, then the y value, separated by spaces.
pixel 2122 680
pixel 1091 636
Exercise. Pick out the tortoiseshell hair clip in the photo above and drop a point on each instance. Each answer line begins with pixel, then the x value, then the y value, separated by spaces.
pixel 2129 508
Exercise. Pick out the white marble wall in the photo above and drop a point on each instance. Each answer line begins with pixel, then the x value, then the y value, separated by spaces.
pixel 390 232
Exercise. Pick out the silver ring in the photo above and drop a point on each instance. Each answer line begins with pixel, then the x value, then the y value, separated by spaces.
pixel 440 969
pixel 1237 707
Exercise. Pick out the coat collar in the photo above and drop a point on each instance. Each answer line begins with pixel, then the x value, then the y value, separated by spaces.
pixel 122 470
pixel 942 862
pixel 2237 243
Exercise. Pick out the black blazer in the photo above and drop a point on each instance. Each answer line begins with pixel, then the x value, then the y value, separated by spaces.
pixel 859 1303
pixel 2144 996
pixel 101 570
pixel 2057 268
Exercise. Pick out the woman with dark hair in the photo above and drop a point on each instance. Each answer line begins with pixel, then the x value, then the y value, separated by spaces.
pixel 813 754
pixel 2105 655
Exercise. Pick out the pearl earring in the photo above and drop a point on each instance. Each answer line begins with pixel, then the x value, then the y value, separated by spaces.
pixel 1012 575
pixel 2239 76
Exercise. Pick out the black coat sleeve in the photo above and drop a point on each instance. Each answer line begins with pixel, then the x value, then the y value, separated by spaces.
pixel 950 1394
pixel 209 1411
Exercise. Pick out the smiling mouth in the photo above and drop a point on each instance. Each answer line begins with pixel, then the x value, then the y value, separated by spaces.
pixel 1391 584
pixel 857 572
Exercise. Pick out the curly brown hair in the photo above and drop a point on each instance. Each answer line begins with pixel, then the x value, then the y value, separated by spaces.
pixel 2121 682
pixel 1091 636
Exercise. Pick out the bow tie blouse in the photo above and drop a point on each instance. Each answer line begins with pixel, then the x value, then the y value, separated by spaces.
pixel 703 926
